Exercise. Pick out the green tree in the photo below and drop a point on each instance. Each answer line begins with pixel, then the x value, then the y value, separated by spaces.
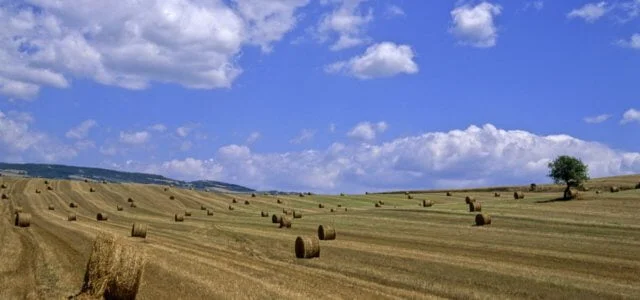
pixel 568 170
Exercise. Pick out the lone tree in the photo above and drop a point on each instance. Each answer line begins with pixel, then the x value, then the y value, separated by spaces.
pixel 568 170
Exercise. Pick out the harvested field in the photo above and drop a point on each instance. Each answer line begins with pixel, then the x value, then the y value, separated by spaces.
pixel 535 248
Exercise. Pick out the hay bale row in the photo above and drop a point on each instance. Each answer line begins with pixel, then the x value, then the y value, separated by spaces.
pixel 72 217
pixel 297 214
pixel 139 230
pixel 518 195
pixel 285 222
pixel 178 218
pixel 102 216
pixel 475 207
pixel 326 232
pixel 22 219
pixel 483 219
pixel 307 247
pixel 114 269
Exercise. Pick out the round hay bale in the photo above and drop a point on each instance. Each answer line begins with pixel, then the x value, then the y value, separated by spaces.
pixel 301 195
pixel 17 209
pixel 38 191
pixel 597 192
pixel 139 230
pixel 231 207
pixel 178 218
pixel 339 205
pixel 22 219
pixel 377 204
pixel 119 208
pixel 86 180
pixel 320 205
pixel 469 200
pixel 50 188
pixel 187 213
pixel 166 189
pixel 483 219
pixel 518 195
pixel 475 207
pixel 102 217
pixel 297 214
pixel 275 219
pixel 72 217
pixel 133 205
pixel 614 189
pixel 234 200
pixel 253 195
pixel 92 190
pixel 202 207
pixel 51 207
pixel 307 247
pixel 638 186
pixel 427 203
pixel 264 214
pixel 333 210
pixel 3 186
pixel 130 199
pixel 497 195
pixel 46 182
pixel 326 233
pixel 279 201
pixel 381 202
pixel 172 197
pixel 570 194
pixel 449 194
pixel 5 196
pixel 246 202
pixel 73 205
pixel 289 212
pixel 114 269
pixel 285 222
pixel 410 197
pixel 209 212
pixel 345 209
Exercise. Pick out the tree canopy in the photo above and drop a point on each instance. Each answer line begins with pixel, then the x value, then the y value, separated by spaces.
pixel 568 170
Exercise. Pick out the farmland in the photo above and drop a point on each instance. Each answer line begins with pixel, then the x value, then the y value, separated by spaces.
pixel 535 248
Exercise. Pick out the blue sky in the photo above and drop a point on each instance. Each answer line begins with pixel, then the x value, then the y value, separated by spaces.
pixel 328 96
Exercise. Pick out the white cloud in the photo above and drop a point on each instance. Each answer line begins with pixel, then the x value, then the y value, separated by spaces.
pixel 183 131
pixel 84 145
pixel 347 21
pixel 131 44
pixel 459 158
pixel 135 138
pixel 186 146
pixel 367 131
pixel 332 127
pixel 253 137
pixel 537 5
pixel 393 11
pixel 631 115
pixel 475 25
pixel 18 141
pixel 82 130
pixel 385 59
pixel 158 127
pixel 304 136
pixel 590 12
pixel 597 119
pixel 633 42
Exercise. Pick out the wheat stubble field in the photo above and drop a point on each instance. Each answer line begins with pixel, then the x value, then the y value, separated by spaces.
pixel 581 249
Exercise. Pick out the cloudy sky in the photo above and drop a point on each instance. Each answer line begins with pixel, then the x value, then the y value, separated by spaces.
pixel 322 95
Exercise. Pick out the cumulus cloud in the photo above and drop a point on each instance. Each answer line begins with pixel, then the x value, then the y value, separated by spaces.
pixel 597 119
pixel 367 131
pixel 633 42
pixel 304 136
pixel 475 25
pixel 631 115
pixel 347 21
pixel 19 141
pixel 253 137
pixel 590 12
pixel 131 44
pixel 393 11
pixel 82 130
pixel 381 60
pixel 476 156
pixel 183 131
pixel 134 138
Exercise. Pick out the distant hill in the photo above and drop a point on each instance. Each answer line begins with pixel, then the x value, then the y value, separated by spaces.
pixel 81 173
